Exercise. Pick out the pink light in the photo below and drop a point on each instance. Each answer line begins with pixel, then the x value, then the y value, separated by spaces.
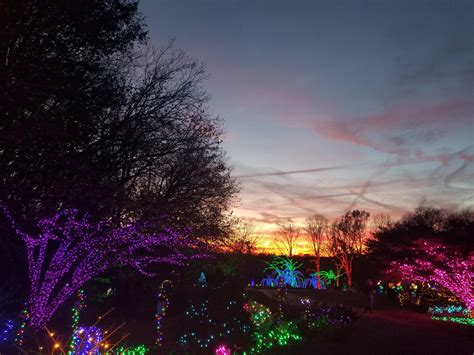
pixel 223 350
pixel 449 269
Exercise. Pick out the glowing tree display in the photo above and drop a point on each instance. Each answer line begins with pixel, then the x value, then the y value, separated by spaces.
pixel 69 250
pixel 435 263
pixel 287 270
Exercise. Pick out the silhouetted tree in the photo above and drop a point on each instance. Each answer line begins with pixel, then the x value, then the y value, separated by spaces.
pixel 381 221
pixel 287 236
pixel 450 228
pixel 242 238
pixel 90 118
pixel 346 239
pixel 316 228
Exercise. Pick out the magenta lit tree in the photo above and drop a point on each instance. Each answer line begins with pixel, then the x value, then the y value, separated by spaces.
pixel 69 250
pixel 435 263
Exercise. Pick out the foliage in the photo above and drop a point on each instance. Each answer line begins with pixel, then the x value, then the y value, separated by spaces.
pixel 93 119
pixel 396 241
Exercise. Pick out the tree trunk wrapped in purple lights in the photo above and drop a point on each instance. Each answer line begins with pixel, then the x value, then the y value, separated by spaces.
pixel 69 250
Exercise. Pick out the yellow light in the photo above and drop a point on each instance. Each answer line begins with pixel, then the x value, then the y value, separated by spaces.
pixel 56 345
pixel 106 346
pixel 52 334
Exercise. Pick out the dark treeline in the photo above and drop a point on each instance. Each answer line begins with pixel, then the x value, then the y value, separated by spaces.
pixel 93 118
pixel 453 229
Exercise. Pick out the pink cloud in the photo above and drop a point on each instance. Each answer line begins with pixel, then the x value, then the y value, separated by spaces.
pixel 379 131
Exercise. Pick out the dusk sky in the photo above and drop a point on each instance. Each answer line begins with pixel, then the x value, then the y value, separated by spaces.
pixel 335 105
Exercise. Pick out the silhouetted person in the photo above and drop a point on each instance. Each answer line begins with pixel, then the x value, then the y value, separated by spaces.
pixel 369 290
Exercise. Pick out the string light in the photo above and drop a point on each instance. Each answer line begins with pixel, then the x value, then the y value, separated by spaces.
pixel 435 263
pixel 8 326
pixel 82 250
pixel 281 335
pixel 210 329
pixel 136 350
pixel 223 350
pixel 25 317
pixel 163 304
pixel 463 314
pixel 79 305
pixel 328 315
pixel 87 340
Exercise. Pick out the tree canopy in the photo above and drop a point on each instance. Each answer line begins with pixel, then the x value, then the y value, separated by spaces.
pixel 91 118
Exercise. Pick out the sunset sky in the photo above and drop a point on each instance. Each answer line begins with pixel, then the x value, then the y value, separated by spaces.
pixel 335 105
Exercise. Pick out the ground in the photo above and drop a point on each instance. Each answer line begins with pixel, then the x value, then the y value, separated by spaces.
pixel 388 330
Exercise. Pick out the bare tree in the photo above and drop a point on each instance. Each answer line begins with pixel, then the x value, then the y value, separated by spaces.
pixel 243 239
pixel 288 235
pixel 342 247
pixel 346 239
pixel 382 221
pixel 353 224
pixel 316 230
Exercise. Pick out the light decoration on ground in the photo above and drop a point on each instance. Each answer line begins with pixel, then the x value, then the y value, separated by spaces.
pixel 7 329
pixel 379 287
pixel 435 263
pixel 460 320
pixel 223 350
pixel 259 313
pixel 209 329
pixel 325 277
pixel 161 308
pixel 87 340
pixel 281 335
pixel 452 313
pixel 286 269
pixel 328 316
pixel 202 281
pixel 281 292
pixel 313 282
pixel 267 333
pixel 307 303
pixel 20 335
pixel 81 250
pixel 135 350
pixel 79 305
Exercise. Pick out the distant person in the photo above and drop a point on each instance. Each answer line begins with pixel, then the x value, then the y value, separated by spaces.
pixel 369 290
